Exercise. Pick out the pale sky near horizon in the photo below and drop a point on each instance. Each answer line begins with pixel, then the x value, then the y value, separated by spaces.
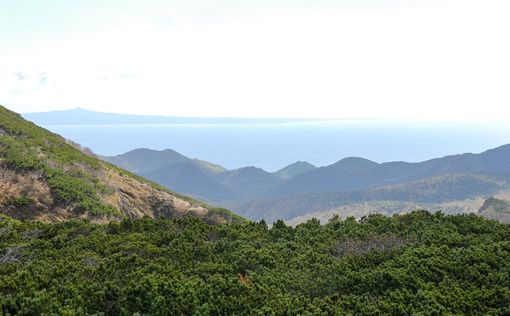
pixel 440 59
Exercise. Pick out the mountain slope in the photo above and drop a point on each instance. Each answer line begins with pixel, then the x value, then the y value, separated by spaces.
pixel 44 177
pixel 248 181
pixel 188 178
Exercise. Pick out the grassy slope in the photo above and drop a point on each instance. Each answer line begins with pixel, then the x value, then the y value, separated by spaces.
pixel 70 174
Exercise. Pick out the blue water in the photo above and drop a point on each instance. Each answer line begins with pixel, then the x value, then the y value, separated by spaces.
pixel 272 146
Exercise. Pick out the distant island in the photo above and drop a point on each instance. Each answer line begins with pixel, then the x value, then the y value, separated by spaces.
pixel 84 116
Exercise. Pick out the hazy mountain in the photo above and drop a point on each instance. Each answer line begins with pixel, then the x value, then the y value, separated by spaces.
pixel 83 116
pixel 300 187
pixel 358 173
pixel 203 179
pixel 192 179
pixel 143 159
pixel 357 180
pixel 348 173
pixel 42 176
pixel 294 170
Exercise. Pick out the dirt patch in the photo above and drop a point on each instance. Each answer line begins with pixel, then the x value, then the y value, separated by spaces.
pixel 23 194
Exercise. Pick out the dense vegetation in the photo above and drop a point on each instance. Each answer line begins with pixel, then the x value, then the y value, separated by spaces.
pixel 422 263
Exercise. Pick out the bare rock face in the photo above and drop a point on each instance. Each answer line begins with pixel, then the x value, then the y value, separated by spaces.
pixel 23 195
pixel 136 199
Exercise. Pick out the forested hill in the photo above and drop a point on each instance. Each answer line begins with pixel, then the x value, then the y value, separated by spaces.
pixel 413 264
pixel 45 177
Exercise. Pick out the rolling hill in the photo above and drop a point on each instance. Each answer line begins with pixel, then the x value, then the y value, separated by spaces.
pixel 45 177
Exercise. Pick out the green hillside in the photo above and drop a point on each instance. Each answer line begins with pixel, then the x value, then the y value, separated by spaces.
pixel 419 263
pixel 43 176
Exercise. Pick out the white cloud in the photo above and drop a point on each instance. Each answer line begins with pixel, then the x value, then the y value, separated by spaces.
pixel 444 61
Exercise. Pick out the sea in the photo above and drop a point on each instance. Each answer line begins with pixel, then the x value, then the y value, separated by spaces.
pixel 272 146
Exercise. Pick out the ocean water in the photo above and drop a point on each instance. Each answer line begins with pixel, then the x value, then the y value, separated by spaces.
pixel 273 146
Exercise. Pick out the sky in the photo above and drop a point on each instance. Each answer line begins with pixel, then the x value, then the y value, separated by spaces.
pixel 436 59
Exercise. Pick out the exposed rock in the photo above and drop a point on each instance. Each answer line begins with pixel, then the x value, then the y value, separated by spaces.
pixel 137 199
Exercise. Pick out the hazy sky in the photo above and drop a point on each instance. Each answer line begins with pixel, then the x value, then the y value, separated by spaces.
pixel 255 58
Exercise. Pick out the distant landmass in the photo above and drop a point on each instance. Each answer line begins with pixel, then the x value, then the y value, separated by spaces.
pixel 79 116
pixel 458 183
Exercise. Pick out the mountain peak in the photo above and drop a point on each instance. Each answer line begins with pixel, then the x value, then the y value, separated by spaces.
pixel 355 162
pixel 294 170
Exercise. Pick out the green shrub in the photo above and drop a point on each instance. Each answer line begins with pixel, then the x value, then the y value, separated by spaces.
pixel 418 263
